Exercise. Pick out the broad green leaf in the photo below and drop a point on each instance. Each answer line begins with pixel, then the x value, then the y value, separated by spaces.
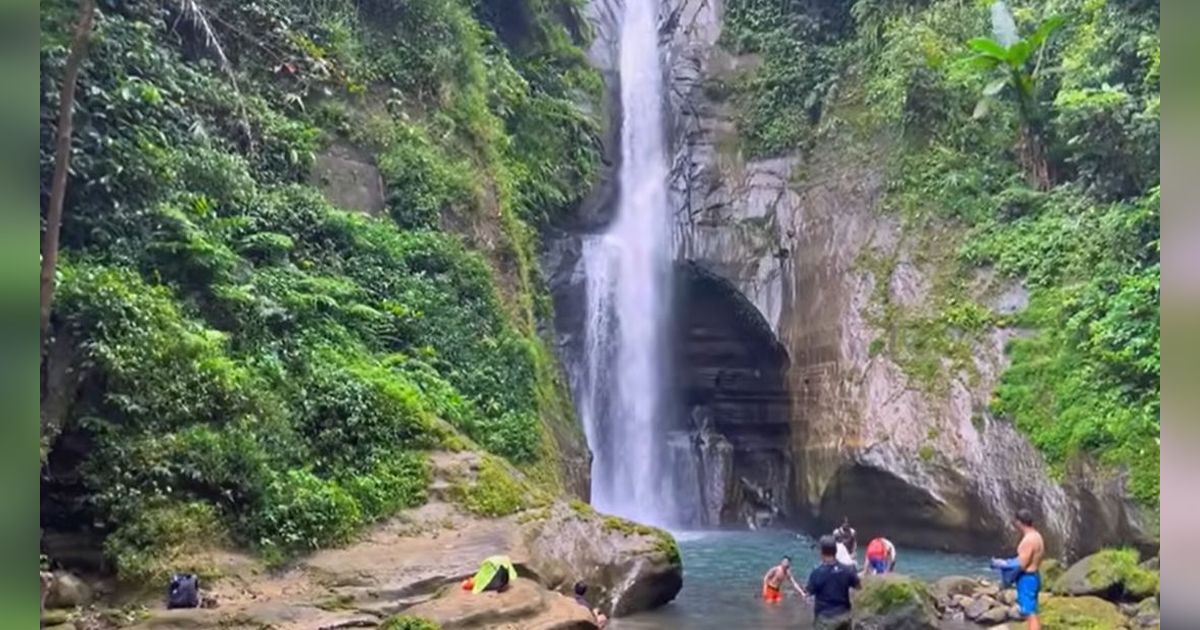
pixel 994 87
pixel 982 63
pixel 1048 26
pixel 1018 54
pixel 988 46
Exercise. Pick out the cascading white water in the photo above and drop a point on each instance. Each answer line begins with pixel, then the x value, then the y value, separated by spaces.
pixel 628 283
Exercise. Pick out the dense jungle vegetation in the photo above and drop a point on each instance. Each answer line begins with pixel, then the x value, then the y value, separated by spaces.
pixel 233 358
pixel 1021 139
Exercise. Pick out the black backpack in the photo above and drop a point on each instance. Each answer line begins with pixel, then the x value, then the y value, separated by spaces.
pixel 184 591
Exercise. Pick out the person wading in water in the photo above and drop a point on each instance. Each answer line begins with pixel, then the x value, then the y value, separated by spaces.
pixel 830 584
pixel 773 580
pixel 846 535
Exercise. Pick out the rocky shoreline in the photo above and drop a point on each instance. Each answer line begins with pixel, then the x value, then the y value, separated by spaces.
pixel 406 574
pixel 1108 589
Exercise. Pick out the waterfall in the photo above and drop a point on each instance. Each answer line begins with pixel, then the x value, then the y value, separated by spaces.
pixel 623 403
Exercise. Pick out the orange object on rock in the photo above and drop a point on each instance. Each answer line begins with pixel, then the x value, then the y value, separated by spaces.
pixel 468 584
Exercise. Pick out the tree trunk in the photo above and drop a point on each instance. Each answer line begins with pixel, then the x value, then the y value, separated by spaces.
pixel 62 378
pixel 1032 156
pixel 62 159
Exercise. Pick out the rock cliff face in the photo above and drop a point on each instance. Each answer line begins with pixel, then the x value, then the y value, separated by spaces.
pixel 785 238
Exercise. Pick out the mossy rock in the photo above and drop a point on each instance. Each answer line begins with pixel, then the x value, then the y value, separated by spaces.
pixel 56 616
pixel 1081 613
pixel 628 567
pixel 408 622
pixel 893 602
pixel 665 541
pixel 1112 574
pixel 1051 571
pixel 497 489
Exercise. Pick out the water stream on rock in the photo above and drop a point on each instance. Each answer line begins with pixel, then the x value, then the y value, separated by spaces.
pixel 628 269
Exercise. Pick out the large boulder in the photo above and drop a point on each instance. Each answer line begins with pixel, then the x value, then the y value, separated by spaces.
pixel 894 602
pixel 524 604
pixel 628 567
pixel 1112 574
pixel 951 585
pixel 67 590
pixel 1080 613
pixel 1146 613
pixel 1051 570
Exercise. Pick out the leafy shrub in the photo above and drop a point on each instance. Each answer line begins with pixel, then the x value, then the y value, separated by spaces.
pixel 304 512
pixel 157 541
pixel 408 622
pixel 422 183
pixel 495 491
pixel 246 348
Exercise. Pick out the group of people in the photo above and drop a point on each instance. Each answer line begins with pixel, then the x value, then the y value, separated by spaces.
pixel 830 582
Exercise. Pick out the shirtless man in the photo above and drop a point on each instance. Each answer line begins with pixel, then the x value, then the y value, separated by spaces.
pixel 774 579
pixel 1029 559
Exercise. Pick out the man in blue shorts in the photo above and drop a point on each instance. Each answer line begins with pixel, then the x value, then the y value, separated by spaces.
pixel 1029 559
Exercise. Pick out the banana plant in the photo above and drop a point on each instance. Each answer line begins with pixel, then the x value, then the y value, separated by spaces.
pixel 1008 56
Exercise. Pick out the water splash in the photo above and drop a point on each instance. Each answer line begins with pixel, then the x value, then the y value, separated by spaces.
pixel 628 272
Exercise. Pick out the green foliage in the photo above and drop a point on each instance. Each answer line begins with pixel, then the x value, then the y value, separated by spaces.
pixel 1081 613
pixel 408 622
pixel 778 104
pixel 495 491
pixel 161 540
pixel 421 181
pixel 1011 55
pixel 253 355
pixel 1083 381
pixel 1119 567
pixel 888 594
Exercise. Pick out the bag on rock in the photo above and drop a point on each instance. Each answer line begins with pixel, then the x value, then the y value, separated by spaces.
pixel 184 591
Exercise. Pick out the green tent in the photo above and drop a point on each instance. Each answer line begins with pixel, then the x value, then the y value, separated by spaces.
pixel 494 574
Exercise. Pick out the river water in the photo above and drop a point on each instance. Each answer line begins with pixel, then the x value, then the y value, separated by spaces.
pixel 722 581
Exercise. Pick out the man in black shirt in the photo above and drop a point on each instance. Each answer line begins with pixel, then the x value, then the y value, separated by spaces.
pixel 829 585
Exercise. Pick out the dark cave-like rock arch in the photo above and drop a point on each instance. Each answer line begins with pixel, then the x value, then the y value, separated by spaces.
pixel 734 410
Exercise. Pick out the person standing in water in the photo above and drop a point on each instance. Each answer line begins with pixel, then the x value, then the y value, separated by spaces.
pixel 846 535
pixel 881 556
pixel 830 584
pixel 773 580
pixel 1029 559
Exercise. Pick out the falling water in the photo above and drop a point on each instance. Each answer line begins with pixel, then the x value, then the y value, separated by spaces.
pixel 628 280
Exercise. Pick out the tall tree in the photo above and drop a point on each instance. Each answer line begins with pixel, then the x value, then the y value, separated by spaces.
pixel 1008 55
pixel 62 158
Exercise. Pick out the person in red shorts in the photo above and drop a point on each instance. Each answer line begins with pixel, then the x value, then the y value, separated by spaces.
pixel 773 580
pixel 881 556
